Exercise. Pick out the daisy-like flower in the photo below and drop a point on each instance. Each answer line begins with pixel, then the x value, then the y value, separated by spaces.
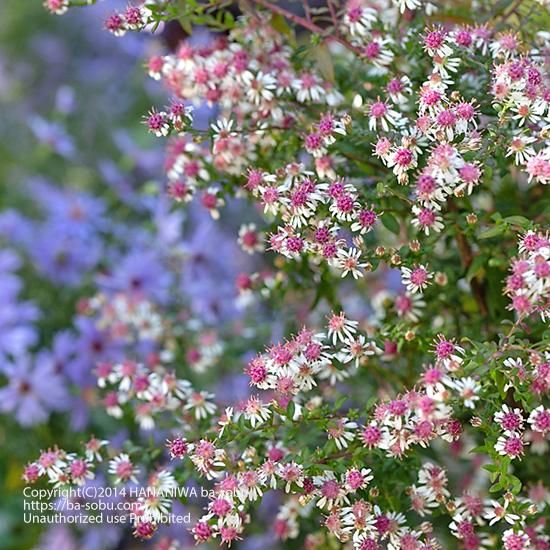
pixel 349 261
pixel 409 306
pixel 378 52
pixel 153 506
pixel 201 404
pixel 340 328
pixel 256 411
pixel 495 511
pixel 249 486
pixel 356 479
pixel 468 390
pixel 469 175
pixel 402 160
pixel 411 5
pixel 448 353
pixel 80 471
pixel 259 87
pixel 426 220
pixel 520 147
pixel 292 473
pixel 435 43
pixel 366 219
pixel 358 19
pixel 223 128
pixel 57 7
pixel 93 449
pixel 158 123
pixel 356 349
pixel 510 444
pixel 380 114
pixel 416 279
pixel 399 90
pixel 332 492
pixel 515 540
pixel 212 200
pixel 429 192
pixel 538 167
pixel 123 469
pixel 341 432
pixel 308 88
pixel 539 420
pixel 510 420
pixel 178 447
pixel 250 240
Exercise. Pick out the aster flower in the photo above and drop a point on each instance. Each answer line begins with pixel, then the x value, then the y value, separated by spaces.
pixel 123 469
pixel 341 432
pixel 510 444
pixel 468 390
pixel 495 511
pixel 348 260
pixel 33 390
pixel 340 328
pixel 415 279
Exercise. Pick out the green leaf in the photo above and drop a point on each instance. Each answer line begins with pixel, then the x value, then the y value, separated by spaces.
pixel 492 232
pixel 390 222
pixel 518 220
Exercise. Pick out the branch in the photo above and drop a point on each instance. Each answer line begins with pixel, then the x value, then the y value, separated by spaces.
pixel 467 257
pixel 306 24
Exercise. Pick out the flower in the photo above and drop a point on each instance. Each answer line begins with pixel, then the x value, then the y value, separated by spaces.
pixel 496 511
pixel 340 431
pixel 468 390
pixel 123 469
pixel 33 390
pixel 510 444
pixel 416 279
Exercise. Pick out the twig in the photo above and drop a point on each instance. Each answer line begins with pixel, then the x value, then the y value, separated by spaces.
pixel 467 257
pixel 309 25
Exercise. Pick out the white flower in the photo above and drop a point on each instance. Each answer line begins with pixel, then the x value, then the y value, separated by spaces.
pixel 199 402
pixel 349 262
pixel 416 279
pixel 259 87
pixel 407 5
pixel 468 390
pixel 496 511
pixel 340 328
pixel 340 431
pixel 123 469
pixel 256 411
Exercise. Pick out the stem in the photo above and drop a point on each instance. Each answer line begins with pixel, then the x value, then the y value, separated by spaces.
pixel 467 257
pixel 309 25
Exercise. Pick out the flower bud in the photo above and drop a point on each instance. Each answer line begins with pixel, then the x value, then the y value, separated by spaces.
pixel 441 279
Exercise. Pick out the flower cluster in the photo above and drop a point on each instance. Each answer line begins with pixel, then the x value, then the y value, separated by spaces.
pixel 528 285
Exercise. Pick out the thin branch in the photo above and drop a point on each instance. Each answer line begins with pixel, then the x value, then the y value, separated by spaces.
pixel 309 25
pixel 467 257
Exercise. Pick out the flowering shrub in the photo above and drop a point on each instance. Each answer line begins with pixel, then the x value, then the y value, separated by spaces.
pixel 366 238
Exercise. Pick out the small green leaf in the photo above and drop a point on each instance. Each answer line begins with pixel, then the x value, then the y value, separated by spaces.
pixel 518 220
pixel 492 232
pixel 390 222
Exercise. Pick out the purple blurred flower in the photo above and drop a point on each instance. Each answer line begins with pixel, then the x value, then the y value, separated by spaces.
pixel 209 273
pixel 16 318
pixel 139 273
pixel 92 346
pixel 63 255
pixel 33 389
pixel 53 135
